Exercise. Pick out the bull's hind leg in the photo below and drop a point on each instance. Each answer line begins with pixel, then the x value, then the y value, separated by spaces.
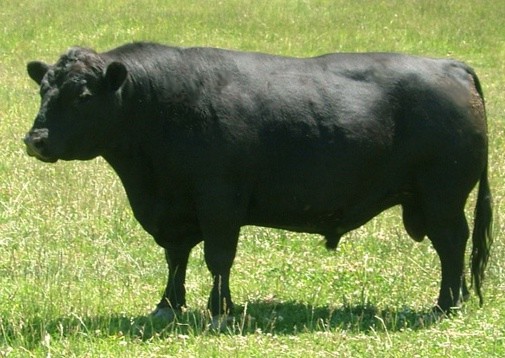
pixel 449 236
pixel 442 192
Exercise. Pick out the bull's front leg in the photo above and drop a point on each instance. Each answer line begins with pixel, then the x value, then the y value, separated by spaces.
pixel 174 296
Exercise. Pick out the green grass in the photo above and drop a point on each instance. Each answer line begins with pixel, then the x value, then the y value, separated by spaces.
pixel 78 276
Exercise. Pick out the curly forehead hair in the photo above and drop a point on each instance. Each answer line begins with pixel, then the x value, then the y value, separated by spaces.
pixel 80 57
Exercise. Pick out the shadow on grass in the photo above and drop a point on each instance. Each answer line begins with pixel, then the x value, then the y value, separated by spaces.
pixel 295 317
pixel 281 318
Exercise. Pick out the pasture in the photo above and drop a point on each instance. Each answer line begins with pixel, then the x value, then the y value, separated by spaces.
pixel 79 276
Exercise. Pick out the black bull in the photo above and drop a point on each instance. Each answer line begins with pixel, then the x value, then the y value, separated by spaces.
pixel 207 140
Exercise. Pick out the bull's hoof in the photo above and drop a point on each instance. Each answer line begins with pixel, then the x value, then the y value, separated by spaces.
pixel 166 314
pixel 465 296
pixel 446 312
pixel 221 323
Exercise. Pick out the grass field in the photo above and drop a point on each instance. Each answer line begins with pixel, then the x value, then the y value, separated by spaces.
pixel 78 276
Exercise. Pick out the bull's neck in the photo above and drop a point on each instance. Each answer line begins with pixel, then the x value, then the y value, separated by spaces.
pixel 137 176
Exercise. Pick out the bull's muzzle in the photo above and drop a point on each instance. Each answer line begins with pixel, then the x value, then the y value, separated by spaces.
pixel 35 141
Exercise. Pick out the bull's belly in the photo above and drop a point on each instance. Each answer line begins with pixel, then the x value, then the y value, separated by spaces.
pixel 322 223
pixel 334 220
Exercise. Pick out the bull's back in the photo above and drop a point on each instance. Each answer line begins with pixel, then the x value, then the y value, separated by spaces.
pixel 327 138
pixel 342 137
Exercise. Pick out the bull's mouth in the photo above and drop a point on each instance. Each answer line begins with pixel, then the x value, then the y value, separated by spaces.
pixel 39 156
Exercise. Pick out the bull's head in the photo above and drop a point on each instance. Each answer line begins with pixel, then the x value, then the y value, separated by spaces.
pixel 80 96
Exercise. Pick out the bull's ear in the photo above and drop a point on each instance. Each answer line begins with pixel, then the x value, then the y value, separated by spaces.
pixel 115 75
pixel 37 70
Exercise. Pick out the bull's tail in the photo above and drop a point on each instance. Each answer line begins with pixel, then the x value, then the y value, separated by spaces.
pixel 482 237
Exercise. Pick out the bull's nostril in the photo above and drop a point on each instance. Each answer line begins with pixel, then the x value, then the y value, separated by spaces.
pixel 36 141
pixel 39 142
pixel 36 138
pixel 33 140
